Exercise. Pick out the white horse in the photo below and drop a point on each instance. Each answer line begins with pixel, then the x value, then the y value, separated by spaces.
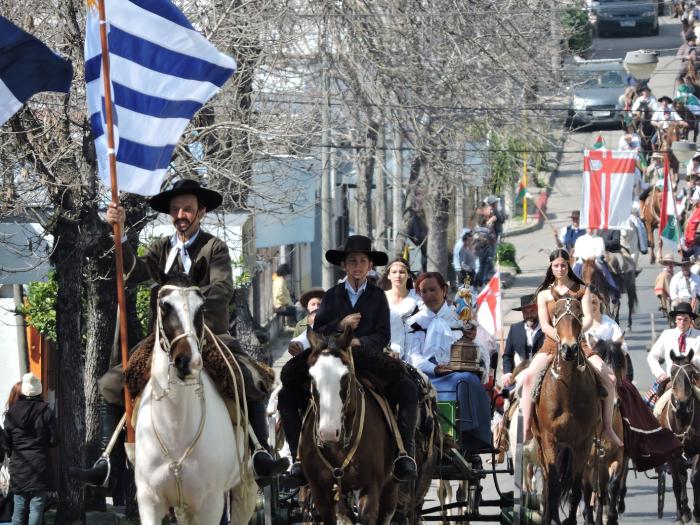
pixel 187 454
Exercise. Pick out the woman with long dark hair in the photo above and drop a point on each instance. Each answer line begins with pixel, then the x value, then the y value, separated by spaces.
pixel 397 283
pixel 560 278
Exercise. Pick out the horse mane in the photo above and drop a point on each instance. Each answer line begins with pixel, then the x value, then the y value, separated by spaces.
pixel 612 355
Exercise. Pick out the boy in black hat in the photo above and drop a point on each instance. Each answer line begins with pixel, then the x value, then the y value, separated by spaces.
pixel 360 305
pixel 205 259
pixel 524 338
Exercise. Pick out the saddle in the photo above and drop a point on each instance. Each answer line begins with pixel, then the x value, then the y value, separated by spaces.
pixel 256 382
pixel 537 386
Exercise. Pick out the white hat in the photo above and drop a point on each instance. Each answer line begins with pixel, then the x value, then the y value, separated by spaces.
pixel 31 386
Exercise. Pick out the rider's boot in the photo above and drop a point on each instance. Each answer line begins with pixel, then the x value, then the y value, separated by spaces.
pixel 264 465
pixel 98 474
pixel 291 423
pixel 404 465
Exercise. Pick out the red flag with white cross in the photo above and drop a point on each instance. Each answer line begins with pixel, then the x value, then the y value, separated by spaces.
pixel 488 305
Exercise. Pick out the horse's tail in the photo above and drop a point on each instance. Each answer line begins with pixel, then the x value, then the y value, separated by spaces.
pixel 564 463
pixel 631 289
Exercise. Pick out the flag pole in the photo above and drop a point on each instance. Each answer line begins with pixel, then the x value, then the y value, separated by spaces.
pixel 116 228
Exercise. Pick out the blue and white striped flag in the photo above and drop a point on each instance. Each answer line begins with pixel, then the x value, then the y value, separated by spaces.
pixel 27 67
pixel 162 72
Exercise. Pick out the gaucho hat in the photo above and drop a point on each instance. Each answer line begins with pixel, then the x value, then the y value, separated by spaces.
pixel 682 308
pixel 209 198
pixel 666 99
pixel 310 294
pixel 525 300
pixel 357 244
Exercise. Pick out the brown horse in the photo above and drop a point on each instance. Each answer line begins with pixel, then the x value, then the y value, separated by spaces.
pixel 666 139
pixel 682 416
pixel 650 212
pixel 345 442
pixel 606 471
pixel 565 417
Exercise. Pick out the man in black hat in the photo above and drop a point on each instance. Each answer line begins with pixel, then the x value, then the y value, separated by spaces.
pixel 664 116
pixel 205 259
pixel 683 340
pixel 645 102
pixel 567 235
pixel 360 305
pixel 524 338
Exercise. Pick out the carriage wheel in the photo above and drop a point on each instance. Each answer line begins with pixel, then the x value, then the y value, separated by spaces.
pixel 660 491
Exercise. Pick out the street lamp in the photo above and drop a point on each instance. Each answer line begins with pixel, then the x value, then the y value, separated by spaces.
pixel 641 64
pixel 683 150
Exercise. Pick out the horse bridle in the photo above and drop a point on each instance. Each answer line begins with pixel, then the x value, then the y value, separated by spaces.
pixel 167 344
pixel 674 406
pixel 568 311
pixel 339 472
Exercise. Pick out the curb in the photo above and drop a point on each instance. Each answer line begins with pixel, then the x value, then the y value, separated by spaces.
pixel 550 184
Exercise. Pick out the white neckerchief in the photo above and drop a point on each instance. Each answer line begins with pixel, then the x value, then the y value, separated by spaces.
pixel 439 335
pixel 179 247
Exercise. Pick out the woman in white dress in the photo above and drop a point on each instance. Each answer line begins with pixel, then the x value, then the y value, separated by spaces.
pixel 397 283
pixel 604 328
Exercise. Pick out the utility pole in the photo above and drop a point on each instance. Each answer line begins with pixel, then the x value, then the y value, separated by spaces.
pixel 326 205
pixel 22 349
pixel 397 196
pixel 380 236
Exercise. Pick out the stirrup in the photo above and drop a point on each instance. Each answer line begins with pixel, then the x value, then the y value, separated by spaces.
pixel 393 466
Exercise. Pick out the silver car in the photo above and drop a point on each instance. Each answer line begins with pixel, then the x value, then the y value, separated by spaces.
pixel 597 88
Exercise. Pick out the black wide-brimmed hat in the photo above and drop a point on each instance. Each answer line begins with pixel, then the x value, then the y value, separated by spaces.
pixel 667 99
pixel 525 300
pixel 682 308
pixel 357 244
pixel 209 198
pixel 310 294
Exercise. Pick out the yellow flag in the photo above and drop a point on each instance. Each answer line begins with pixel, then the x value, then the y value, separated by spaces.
pixel 405 253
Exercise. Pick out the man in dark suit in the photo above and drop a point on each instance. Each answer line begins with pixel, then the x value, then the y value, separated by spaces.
pixel 362 306
pixel 524 338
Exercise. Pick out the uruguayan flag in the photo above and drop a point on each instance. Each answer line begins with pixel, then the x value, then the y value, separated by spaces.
pixel 162 71
pixel 27 67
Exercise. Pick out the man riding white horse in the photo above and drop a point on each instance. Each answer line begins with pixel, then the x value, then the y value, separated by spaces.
pixel 205 259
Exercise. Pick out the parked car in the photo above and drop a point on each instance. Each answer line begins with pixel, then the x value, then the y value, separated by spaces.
pixel 625 16
pixel 596 87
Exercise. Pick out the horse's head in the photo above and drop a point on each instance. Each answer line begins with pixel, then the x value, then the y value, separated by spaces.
pixel 612 354
pixel 683 378
pixel 567 319
pixel 180 324
pixel 331 370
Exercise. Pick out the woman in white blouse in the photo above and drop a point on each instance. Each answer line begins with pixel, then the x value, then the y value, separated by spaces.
pixel 604 328
pixel 397 283
pixel 432 330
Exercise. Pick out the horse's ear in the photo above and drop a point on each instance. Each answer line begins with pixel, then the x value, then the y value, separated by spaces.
pixel 345 338
pixel 690 355
pixel 674 356
pixel 620 339
pixel 314 339
pixel 155 271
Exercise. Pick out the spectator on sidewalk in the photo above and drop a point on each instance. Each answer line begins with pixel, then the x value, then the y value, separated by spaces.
pixel 311 301
pixel 463 258
pixel 31 431
pixel 281 298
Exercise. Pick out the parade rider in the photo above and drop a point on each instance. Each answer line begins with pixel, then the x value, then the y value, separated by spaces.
pixel 360 305
pixel 561 279
pixel 567 236
pixel 684 286
pixel 205 259
pixel 682 340
pixel 664 116
pixel 524 338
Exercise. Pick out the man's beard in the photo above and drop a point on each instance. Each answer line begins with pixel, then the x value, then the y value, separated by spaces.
pixel 531 322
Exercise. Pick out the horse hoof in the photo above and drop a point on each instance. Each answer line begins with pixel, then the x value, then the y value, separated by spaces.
pixel 687 517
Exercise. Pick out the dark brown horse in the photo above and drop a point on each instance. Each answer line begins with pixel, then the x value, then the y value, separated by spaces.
pixel 566 414
pixel 606 471
pixel 650 212
pixel 682 416
pixel 345 442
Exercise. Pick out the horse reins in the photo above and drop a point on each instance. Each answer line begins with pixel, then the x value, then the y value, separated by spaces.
pixel 569 301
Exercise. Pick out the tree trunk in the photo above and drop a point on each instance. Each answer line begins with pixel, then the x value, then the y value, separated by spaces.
pixel 100 319
pixel 67 258
pixel 380 236
pixel 438 211
pixel 397 201
pixel 364 162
